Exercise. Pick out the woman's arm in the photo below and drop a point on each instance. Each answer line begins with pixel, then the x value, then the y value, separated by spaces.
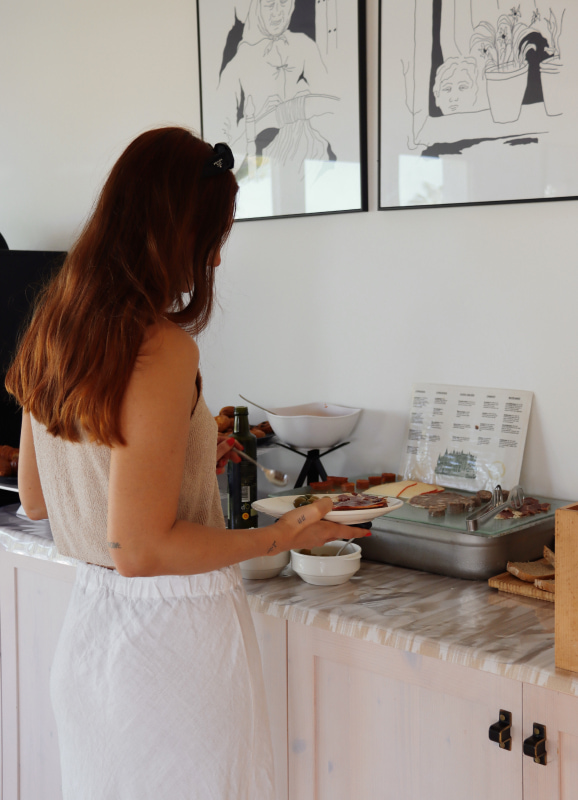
pixel 145 537
pixel 29 487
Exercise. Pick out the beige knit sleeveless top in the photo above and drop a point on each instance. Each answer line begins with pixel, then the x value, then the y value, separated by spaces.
pixel 74 478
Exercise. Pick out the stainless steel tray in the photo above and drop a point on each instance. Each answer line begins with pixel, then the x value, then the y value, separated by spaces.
pixel 410 538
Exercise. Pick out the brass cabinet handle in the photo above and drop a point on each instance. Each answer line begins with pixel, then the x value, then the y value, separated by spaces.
pixel 500 731
pixel 535 745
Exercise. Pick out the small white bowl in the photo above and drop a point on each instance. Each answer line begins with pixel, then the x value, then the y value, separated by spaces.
pixel 264 566
pixel 323 567
pixel 313 425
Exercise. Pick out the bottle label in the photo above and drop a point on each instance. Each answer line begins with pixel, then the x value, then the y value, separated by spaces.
pixel 242 494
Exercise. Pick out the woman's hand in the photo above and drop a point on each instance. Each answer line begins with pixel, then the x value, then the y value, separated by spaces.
pixel 305 527
pixel 226 446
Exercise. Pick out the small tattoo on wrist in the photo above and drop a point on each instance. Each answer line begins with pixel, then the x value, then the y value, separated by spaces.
pixel 114 545
pixel 273 547
pixel 301 519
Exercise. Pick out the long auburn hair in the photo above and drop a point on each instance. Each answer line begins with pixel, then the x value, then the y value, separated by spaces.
pixel 146 252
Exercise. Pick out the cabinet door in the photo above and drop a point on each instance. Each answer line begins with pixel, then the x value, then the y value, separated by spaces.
pixel 374 723
pixel 558 779
pixel 34 596
pixel 272 638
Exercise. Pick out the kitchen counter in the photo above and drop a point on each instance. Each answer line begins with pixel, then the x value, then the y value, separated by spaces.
pixel 459 621
pixel 463 622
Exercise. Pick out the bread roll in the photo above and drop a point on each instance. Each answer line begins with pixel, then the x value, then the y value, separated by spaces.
pixel 5 468
pixel 223 423
pixel 8 452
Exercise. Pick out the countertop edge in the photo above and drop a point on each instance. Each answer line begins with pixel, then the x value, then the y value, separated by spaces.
pixel 552 678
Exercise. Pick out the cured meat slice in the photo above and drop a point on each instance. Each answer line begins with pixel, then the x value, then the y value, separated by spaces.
pixel 344 502
pixel 529 508
pixel 356 502
pixel 441 498
pixel 438 510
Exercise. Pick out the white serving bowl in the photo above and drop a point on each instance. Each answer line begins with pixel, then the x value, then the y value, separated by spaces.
pixel 323 567
pixel 264 566
pixel 313 425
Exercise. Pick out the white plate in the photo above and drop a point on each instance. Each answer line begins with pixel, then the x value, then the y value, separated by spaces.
pixel 277 506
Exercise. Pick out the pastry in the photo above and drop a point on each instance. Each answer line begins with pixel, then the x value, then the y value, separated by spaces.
pixel 223 423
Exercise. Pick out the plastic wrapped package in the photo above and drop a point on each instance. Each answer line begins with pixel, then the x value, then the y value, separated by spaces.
pixel 19 534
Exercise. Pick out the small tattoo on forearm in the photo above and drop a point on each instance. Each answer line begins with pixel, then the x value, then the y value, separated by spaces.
pixel 273 547
pixel 301 519
pixel 114 545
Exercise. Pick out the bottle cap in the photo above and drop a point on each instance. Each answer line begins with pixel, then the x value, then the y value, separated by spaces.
pixel 241 410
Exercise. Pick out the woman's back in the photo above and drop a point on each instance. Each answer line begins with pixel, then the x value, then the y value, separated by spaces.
pixel 75 478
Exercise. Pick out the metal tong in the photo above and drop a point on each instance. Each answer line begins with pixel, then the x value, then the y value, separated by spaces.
pixel 496 504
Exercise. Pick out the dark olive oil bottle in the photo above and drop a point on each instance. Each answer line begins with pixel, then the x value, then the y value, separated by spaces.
pixel 242 477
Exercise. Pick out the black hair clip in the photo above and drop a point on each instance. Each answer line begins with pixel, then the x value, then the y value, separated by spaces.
pixel 221 160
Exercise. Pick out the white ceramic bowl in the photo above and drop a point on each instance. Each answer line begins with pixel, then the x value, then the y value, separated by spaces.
pixel 264 566
pixel 313 425
pixel 323 567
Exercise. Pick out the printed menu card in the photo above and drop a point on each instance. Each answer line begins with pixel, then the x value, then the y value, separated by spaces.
pixel 465 437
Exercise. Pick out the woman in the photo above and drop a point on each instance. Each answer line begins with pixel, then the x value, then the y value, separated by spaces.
pixel 156 682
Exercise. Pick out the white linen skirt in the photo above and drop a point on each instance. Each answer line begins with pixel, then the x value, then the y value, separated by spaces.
pixel 158 692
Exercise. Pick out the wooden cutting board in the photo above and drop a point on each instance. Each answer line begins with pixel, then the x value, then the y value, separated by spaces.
pixel 509 583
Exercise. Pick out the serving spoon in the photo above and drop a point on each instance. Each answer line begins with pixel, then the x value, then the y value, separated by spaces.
pixel 364 526
pixel 273 475
pixel 258 406
pixel 341 549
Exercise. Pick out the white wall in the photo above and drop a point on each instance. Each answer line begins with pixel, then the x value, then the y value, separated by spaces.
pixel 350 308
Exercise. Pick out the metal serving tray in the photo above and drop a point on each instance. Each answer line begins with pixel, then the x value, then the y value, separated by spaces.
pixel 410 538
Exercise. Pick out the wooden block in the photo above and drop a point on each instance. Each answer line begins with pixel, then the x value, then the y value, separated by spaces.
pixel 566 614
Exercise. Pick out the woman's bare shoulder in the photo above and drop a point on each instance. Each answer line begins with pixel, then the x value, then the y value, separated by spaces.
pixel 164 378
pixel 165 339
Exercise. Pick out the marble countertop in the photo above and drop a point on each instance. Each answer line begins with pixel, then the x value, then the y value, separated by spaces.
pixel 464 622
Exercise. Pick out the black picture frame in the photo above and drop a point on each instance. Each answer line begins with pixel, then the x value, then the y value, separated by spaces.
pixel 476 102
pixel 286 89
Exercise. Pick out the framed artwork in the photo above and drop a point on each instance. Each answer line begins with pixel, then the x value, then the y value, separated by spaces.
pixel 477 102
pixel 283 84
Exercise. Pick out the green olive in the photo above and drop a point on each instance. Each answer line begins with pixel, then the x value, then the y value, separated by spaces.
pixel 300 501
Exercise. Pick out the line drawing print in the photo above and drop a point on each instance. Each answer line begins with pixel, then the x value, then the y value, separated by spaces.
pixel 478 64
pixel 490 82
pixel 275 88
